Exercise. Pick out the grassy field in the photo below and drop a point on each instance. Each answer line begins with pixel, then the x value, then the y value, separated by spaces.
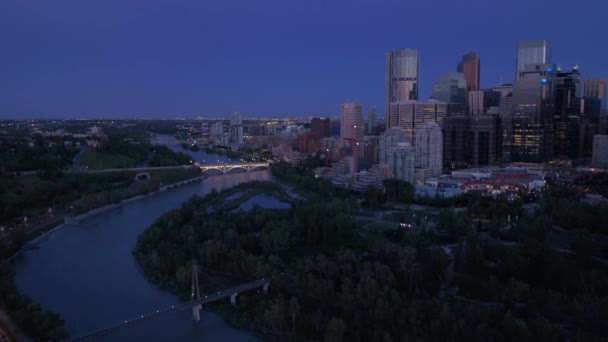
pixel 96 161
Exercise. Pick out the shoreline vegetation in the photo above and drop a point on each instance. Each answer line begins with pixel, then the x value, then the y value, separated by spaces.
pixel 334 281
pixel 30 317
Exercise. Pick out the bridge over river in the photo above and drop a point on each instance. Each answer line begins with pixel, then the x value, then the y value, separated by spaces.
pixel 196 305
pixel 225 168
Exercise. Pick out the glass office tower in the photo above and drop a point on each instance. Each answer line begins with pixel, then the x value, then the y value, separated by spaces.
pixel 402 69
pixel 532 52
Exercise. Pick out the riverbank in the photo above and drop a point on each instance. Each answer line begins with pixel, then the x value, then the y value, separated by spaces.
pixel 94 212
pixel 11 330
pixel 101 249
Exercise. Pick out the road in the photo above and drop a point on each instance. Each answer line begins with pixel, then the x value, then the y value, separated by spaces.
pixel 76 159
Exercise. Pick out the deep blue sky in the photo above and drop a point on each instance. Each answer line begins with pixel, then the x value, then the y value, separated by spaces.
pixel 72 58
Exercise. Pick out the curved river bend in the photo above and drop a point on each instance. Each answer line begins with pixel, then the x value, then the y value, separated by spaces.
pixel 86 272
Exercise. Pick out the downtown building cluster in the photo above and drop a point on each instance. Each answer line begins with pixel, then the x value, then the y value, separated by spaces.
pixel 546 114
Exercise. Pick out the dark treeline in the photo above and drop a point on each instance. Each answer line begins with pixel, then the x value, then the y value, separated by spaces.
pixel 334 282
pixel 16 156
pixel 37 323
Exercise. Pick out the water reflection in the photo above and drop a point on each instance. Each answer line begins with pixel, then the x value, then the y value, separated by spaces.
pixel 87 273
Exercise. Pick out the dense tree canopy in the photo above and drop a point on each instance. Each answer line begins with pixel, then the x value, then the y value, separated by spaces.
pixel 335 282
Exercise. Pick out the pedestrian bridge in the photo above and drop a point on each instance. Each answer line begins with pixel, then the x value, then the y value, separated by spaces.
pixel 195 304
pixel 225 168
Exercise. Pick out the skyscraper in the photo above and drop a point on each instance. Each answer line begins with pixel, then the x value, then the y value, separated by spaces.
pixel 505 110
pixel 351 121
pixel 401 77
pixel 595 96
pixel 567 114
pixel 469 66
pixel 451 88
pixel 482 102
pixel 594 103
pixel 236 128
pixel 532 52
pixel 372 120
pixel 319 128
pixel 533 109
pixel 407 115
pixel 600 151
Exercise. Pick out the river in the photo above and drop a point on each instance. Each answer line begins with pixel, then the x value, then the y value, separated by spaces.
pixel 86 272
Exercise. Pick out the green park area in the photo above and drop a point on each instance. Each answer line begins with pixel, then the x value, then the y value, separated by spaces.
pixel 95 160
pixel 469 274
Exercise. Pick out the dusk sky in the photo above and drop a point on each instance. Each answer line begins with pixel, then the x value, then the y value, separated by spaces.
pixel 118 58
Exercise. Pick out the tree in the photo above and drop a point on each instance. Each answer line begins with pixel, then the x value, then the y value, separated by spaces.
pixel 294 310
pixel 335 330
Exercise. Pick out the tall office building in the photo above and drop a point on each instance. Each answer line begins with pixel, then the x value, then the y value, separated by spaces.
pixel 455 141
pixel 236 128
pixel 372 120
pixel 351 121
pixel 401 77
pixel 532 52
pixel 595 101
pixel 429 150
pixel 452 89
pixel 600 151
pixel 408 114
pixel 482 102
pixel 469 66
pixel 319 128
pixel 505 111
pixel 471 140
pixel 566 117
pixel 533 109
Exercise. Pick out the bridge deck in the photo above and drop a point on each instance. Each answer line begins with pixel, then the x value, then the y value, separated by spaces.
pixel 205 299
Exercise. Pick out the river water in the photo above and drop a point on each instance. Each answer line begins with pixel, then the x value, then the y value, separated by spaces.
pixel 86 272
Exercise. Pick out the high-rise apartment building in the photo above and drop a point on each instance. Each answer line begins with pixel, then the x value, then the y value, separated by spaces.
pixel 351 121
pixel 401 161
pixel 429 151
pixel 216 129
pixel 401 77
pixel 533 109
pixel 236 128
pixel 532 52
pixel 451 89
pixel 408 114
pixel 388 140
pixel 469 66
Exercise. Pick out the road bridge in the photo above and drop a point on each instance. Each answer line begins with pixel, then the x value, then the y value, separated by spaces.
pixel 225 168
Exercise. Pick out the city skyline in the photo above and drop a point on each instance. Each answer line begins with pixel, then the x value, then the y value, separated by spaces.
pixel 115 59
